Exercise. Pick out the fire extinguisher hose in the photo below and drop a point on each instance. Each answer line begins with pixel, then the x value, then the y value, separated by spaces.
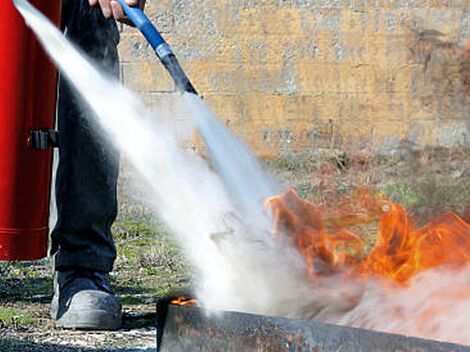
pixel 159 45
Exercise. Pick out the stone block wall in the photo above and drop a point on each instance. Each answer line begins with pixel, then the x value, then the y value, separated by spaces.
pixel 299 75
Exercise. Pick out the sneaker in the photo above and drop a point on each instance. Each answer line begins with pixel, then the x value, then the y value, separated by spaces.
pixel 84 300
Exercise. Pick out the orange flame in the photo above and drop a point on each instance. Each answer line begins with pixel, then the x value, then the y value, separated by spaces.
pixel 185 302
pixel 326 240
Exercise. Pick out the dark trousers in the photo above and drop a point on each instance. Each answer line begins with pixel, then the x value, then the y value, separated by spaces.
pixel 88 165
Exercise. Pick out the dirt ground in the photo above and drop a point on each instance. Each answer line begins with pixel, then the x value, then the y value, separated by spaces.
pixel 150 265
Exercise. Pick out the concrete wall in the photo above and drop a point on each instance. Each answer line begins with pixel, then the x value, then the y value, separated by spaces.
pixel 295 75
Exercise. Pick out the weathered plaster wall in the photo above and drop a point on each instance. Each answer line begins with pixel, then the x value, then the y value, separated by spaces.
pixel 294 75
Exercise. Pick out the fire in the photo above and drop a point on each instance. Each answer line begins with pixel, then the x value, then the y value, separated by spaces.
pixel 185 302
pixel 331 241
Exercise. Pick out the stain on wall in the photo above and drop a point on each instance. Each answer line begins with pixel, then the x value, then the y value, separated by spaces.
pixel 299 75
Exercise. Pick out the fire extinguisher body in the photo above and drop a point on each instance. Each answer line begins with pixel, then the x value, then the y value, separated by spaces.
pixel 28 92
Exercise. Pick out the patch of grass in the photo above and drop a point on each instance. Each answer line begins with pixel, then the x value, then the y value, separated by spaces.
pixel 149 262
pixel 23 281
pixel 429 195
pixel 426 183
pixel 305 163
pixel 130 299
pixel 16 316
pixel 129 229
pixel 405 194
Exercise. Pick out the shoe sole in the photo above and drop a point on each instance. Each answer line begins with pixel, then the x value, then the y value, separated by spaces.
pixel 90 320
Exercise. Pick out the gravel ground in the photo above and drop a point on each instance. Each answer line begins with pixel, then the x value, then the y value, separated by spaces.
pixel 56 340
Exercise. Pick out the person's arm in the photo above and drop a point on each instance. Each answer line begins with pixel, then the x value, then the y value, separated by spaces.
pixel 112 9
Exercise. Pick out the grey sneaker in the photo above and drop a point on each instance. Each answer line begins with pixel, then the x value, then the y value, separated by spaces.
pixel 83 300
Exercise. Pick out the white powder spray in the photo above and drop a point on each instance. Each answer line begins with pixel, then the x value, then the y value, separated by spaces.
pixel 241 265
pixel 219 221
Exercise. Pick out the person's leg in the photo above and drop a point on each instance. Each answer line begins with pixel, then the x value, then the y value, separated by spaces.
pixel 88 164
pixel 82 243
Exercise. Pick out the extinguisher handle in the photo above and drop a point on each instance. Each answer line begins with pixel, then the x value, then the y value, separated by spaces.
pixel 143 24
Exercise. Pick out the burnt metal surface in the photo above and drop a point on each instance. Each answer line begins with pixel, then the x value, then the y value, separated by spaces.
pixel 194 329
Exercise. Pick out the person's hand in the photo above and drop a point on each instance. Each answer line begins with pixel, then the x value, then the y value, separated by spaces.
pixel 112 9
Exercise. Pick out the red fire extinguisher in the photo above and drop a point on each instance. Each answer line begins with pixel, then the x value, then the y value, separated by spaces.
pixel 28 91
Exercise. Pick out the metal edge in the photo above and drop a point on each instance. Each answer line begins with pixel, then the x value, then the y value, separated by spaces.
pixel 195 329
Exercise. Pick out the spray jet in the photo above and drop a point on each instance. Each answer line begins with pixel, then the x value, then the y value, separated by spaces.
pixel 162 49
pixel 232 160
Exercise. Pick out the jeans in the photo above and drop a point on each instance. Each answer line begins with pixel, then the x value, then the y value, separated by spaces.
pixel 88 164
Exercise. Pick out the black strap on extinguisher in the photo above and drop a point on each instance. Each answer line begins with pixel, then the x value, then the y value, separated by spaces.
pixel 44 139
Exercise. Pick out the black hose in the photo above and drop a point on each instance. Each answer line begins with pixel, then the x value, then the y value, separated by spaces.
pixel 182 82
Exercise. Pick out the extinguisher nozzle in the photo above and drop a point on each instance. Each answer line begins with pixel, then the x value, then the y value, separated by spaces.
pixel 182 82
